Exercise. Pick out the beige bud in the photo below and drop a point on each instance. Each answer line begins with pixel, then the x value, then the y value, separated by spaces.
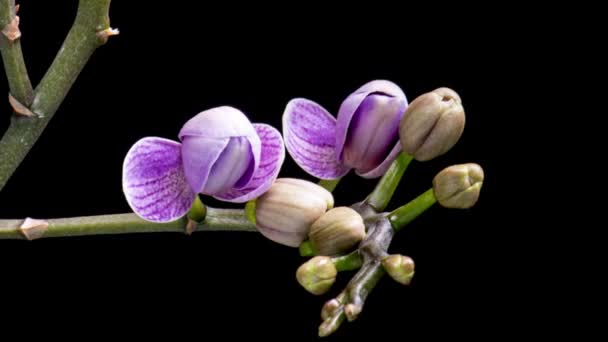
pixel 458 186
pixel 432 124
pixel 317 275
pixel 286 211
pixel 399 267
pixel 336 231
pixel 330 308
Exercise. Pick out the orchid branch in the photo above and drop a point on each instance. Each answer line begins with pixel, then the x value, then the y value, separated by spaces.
pixel 215 220
pixel 12 56
pixel 90 30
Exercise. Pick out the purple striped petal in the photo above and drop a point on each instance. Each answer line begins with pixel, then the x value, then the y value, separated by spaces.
pixel 153 180
pixel 273 155
pixel 310 137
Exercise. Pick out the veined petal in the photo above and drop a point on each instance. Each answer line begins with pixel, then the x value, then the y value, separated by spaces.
pixel 310 137
pixel 272 157
pixel 153 180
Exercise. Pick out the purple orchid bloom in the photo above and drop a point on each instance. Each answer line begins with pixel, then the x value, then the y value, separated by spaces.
pixel 365 137
pixel 221 154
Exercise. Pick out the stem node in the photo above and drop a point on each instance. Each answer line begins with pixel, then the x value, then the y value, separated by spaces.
pixel 33 229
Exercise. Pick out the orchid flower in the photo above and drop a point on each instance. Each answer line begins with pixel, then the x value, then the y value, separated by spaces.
pixel 365 136
pixel 221 154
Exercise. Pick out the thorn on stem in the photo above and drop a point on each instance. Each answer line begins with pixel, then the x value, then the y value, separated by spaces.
pixel 33 229
pixel 191 226
pixel 11 30
pixel 19 108
pixel 103 35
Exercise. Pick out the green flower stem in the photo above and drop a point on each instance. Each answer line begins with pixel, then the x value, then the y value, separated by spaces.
pixel 12 56
pixel 306 249
pixel 382 194
pixel 405 214
pixel 348 262
pixel 80 43
pixel 198 211
pixel 329 184
pixel 215 220
pixel 250 210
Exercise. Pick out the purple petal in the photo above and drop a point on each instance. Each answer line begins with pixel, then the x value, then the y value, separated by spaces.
pixel 219 122
pixel 310 138
pixel 234 166
pixel 383 167
pixel 273 155
pixel 351 104
pixel 153 180
pixel 220 150
pixel 199 156
pixel 373 131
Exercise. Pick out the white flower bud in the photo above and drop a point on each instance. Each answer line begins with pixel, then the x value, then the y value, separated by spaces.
pixel 285 213
pixel 336 231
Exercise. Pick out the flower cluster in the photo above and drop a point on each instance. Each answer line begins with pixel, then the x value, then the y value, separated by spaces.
pixel 375 133
pixel 222 154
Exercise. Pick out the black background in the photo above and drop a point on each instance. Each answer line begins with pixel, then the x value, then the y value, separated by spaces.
pixel 172 61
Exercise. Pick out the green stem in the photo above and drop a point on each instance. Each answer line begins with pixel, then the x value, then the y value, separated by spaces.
pixel 250 210
pixel 198 212
pixel 329 184
pixel 79 45
pixel 306 249
pixel 215 220
pixel 12 56
pixel 405 214
pixel 382 194
pixel 348 262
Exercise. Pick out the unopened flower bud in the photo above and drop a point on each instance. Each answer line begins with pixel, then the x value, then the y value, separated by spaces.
pixel 330 308
pixel 317 275
pixel 399 267
pixel 458 186
pixel 285 213
pixel 336 231
pixel 432 124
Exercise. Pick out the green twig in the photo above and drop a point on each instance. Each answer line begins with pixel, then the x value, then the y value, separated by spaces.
pixel 348 262
pixel 403 215
pixel 89 31
pixel 12 56
pixel 215 220
pixel 382 194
